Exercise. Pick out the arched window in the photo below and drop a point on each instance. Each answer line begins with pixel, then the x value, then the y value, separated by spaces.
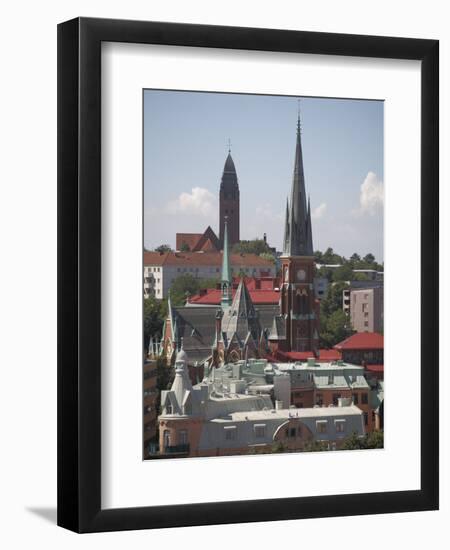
pixel 166 438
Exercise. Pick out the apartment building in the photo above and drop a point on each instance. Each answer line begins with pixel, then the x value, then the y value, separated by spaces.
pixel 160 270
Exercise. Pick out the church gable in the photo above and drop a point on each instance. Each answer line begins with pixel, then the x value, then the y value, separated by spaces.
pixel 208 242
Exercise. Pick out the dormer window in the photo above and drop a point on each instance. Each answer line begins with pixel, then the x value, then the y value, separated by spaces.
pixel 169 408
pixel 321 426
pixel 259 430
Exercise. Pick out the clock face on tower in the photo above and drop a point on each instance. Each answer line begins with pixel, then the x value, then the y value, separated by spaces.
pixel 301 275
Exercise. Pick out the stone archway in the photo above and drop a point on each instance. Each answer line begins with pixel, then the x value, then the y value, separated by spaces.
pixel 293 434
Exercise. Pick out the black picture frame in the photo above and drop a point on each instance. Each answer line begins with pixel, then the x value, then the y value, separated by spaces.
pixel 79 274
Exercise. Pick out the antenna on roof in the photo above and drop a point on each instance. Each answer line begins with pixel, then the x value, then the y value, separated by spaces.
pixel 229 145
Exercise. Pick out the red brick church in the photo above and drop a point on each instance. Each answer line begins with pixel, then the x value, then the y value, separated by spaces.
pixel 237 328
pixel 228 210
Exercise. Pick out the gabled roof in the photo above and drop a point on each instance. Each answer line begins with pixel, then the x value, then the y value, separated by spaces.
pixel 196 325
pixel 278 329
pixel 206 241
pixel 362 340
pixel 191 239
pixel 241 317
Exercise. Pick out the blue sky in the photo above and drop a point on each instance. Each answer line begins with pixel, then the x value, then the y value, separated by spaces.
pixel 186 143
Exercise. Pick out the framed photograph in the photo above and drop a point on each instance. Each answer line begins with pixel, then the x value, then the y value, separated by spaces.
pixel 247 235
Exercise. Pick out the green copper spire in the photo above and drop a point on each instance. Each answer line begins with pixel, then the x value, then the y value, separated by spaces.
pixel 226 273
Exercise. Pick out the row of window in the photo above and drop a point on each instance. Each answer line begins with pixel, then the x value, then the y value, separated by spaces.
pixel 230 432
pixel 154 269
pixel 259 430
pixel 364 398
pixel 322 426
pixel 149 280
pixel 217 269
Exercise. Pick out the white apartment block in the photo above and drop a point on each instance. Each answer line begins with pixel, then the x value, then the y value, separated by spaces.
pixel 365 307
pixel 160 270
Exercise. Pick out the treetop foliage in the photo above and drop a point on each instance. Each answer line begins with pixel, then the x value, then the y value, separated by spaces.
pixel 162 248
pixel 255 246
pixel 345 271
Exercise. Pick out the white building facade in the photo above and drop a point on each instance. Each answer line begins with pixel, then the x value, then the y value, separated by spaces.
pixel 214 418
pixel 160 270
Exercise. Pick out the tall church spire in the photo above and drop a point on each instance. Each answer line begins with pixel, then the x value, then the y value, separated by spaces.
pixel 226 282
pixel 286 226
pixel 309 240
pixel 297 238
pixel 229 201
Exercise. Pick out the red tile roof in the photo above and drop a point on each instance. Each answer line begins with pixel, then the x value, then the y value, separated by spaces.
pixel 375 368
pixel 362 340
pixel 206 241
pixel 212 296
pixel 191 239
pixel 214 259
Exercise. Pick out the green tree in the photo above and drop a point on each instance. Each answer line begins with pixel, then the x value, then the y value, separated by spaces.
pixel 255 246
pixel 318 257
pixel 353 441
pixel 268 256
pixel 187 285
pixel 315 446
pixel 162 248
pixel 343 273
pixel 278 447
pixel 333 298
pixel 375 440
pixel 155 312
pixel 355 258
pixel 325 272
pixel 369 258
pixel 329 257
pixel 334 328
pixel 185 247
pixel 183 286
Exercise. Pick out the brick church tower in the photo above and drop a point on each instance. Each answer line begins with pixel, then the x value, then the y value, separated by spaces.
pixel 297 265
pixel 229 202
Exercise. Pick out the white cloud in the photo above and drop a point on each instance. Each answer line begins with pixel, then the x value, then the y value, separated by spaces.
pixel 319 211
pixel 371 195
pixel 265 212
pixel 199 201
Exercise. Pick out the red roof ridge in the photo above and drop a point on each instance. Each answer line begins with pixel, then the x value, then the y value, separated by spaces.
pixel 362 340
pixel 204 258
